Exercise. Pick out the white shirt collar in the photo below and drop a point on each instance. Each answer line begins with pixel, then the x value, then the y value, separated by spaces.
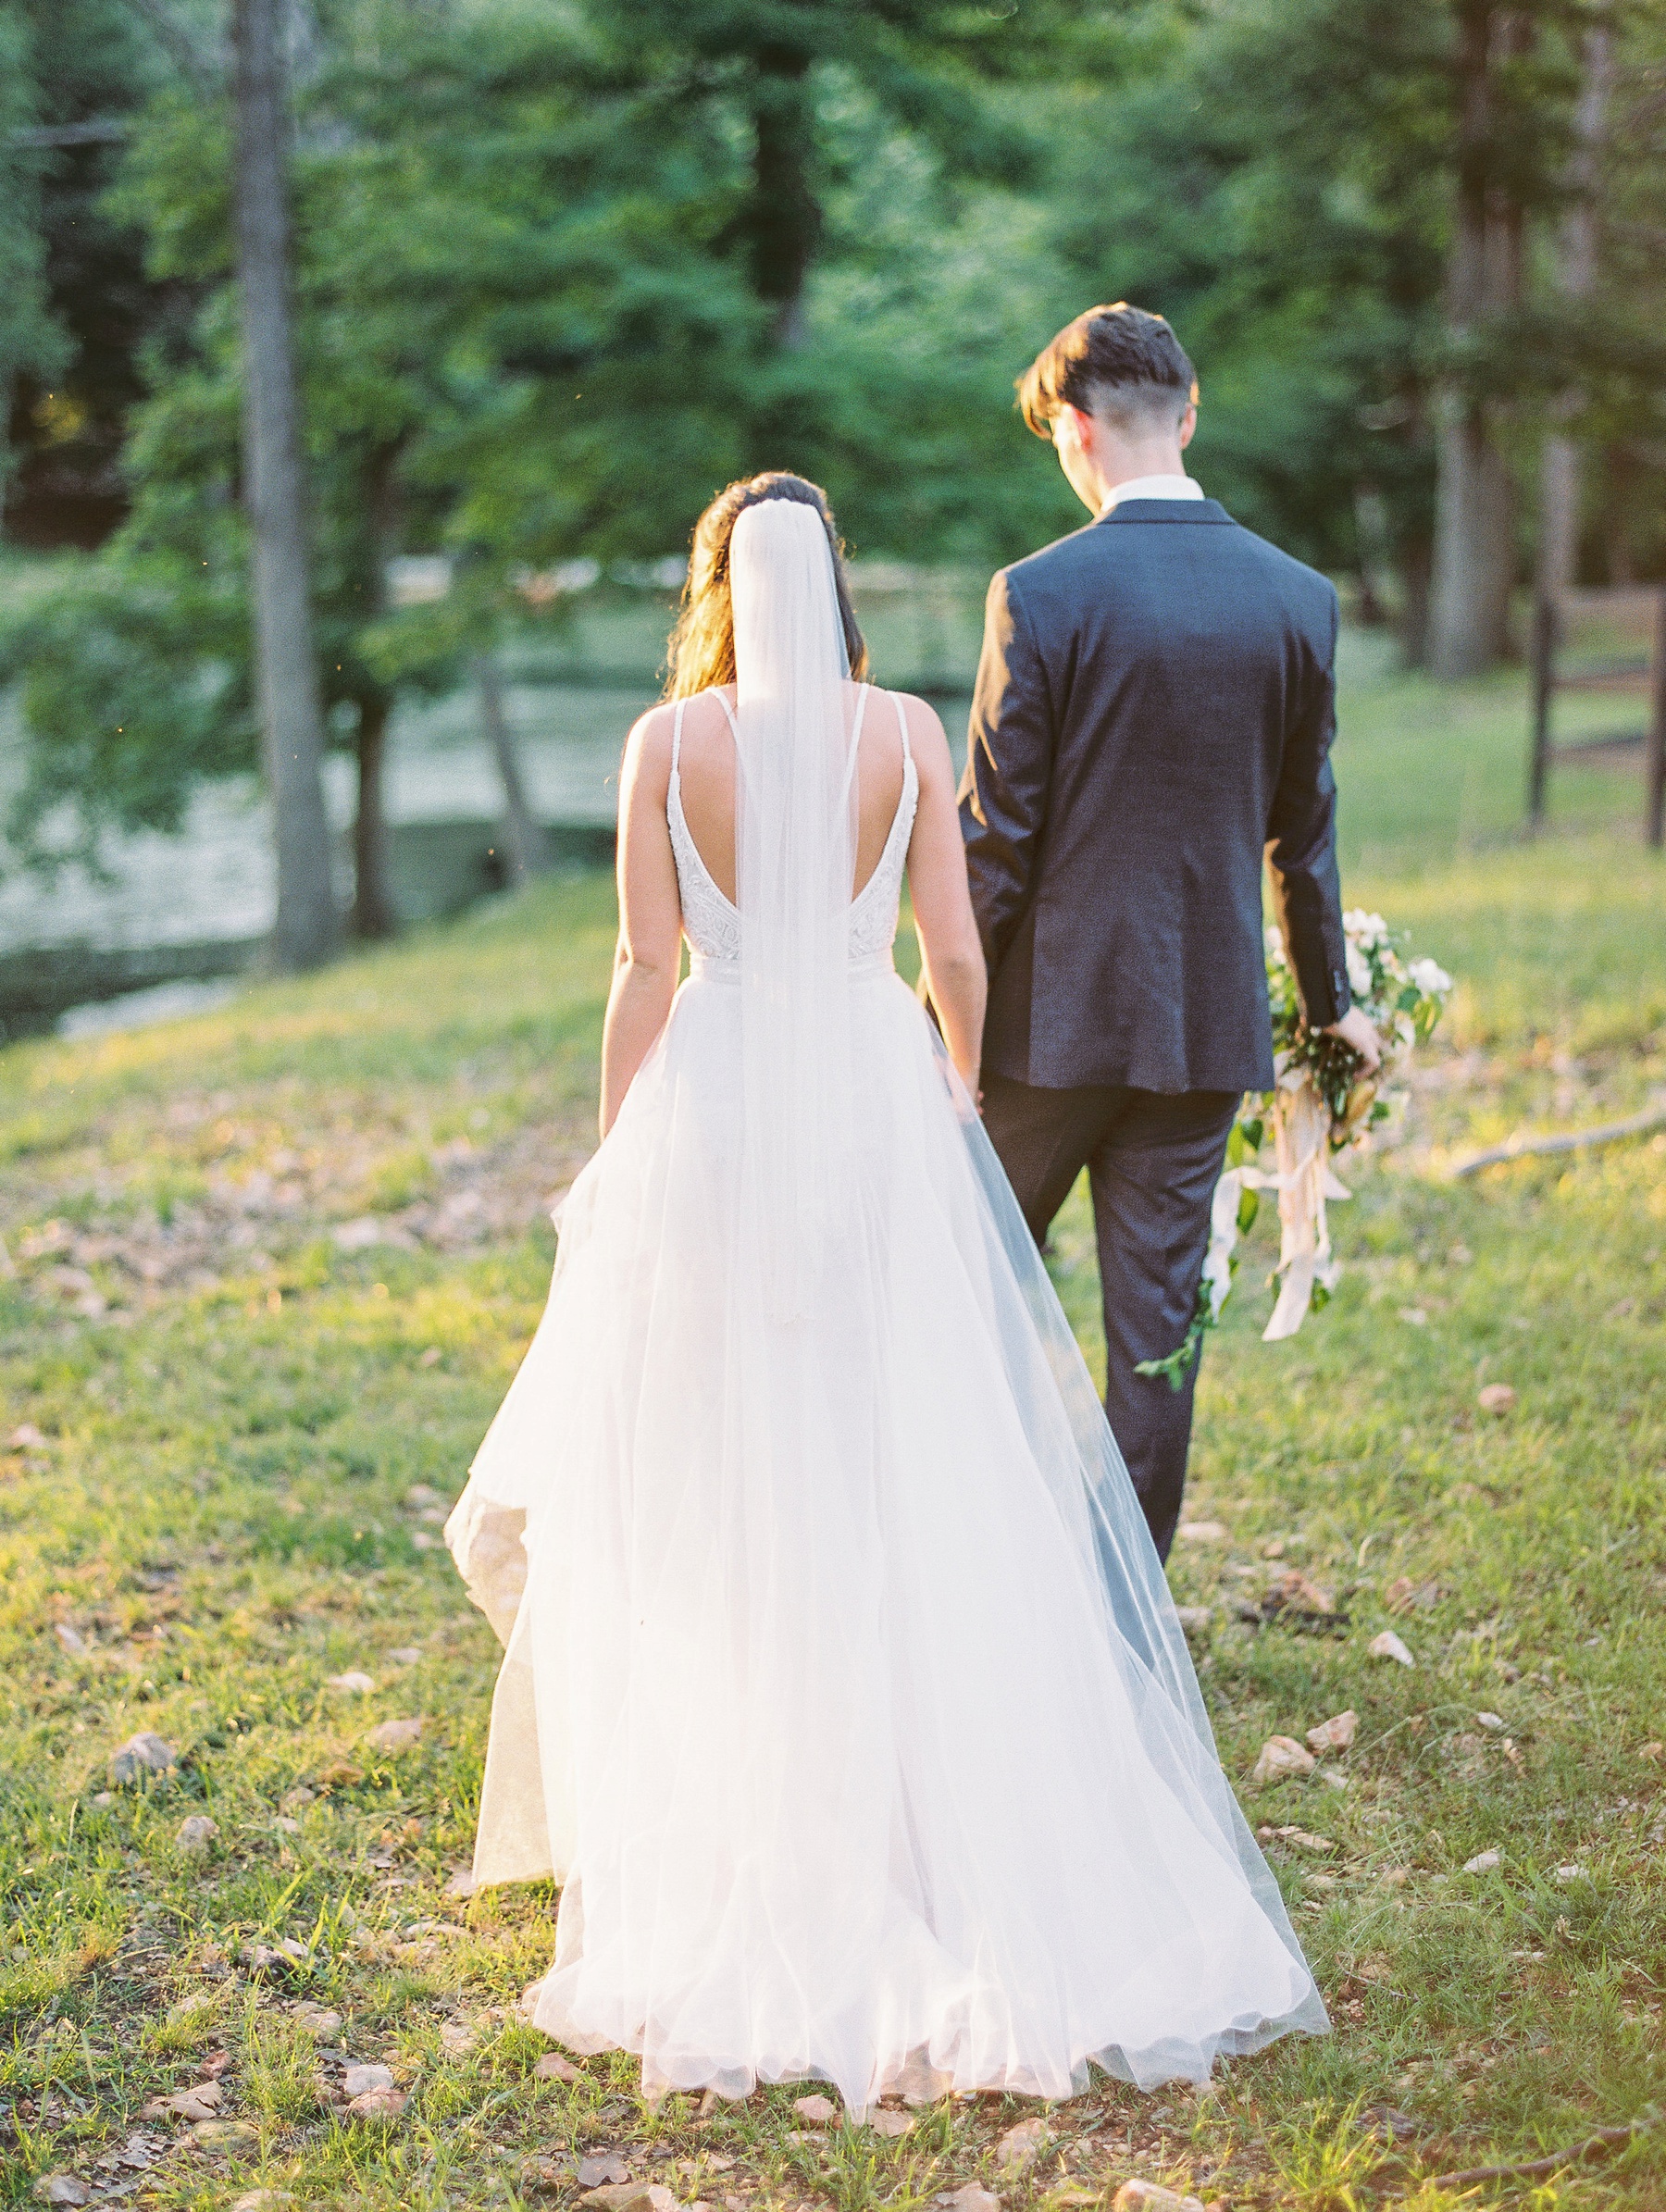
pixel 1163 487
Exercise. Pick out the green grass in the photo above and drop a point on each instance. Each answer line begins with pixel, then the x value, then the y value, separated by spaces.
pixel 249 1426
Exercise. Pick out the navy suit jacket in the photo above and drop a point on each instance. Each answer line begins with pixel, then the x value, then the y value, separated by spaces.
pixel 1154 712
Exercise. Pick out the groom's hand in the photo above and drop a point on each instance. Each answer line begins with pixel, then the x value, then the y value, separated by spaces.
pixel 1355 1029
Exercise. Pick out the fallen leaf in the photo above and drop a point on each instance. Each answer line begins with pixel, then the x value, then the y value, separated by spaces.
pixel 630 2196
pixel 62 2188
pixel 1492 1722
pixel 1202 1532
pixel 461 1884
pixel 421 1493
pixel 1573 1873
pixel 893 2123
pixel 407 1655
pixel 552 2067
pixel 196 1831
pixel 1303 1837
pixel 1383 2119
pixel 1655 1751
pixel 1294 1593
pixel 816 2111
pixel 396 1735
pixel 599 2168
pixel 359 1684
pixel 367 2076
pixel 262 2200
pixel 1281 1755
pixel 1335 1734
pixel 1022 2143
pixel 1194 1619
pixel 1388 1646
pixel 1495 1397
pixel 69 1637
pixel 318 2020
pixel 1483 1862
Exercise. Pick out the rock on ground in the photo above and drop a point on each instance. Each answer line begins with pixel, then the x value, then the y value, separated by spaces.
pixel 62 2188
pixel 396 1735
pixel 1335 1734
pixel 146 1753
pixel 1390 1646
pixel 196 1831
pixel 1021 2143
pixel 1281 1755
pixel 816 2111
pixel 1150 2197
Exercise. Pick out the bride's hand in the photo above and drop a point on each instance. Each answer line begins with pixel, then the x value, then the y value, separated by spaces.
pixel 1355 1030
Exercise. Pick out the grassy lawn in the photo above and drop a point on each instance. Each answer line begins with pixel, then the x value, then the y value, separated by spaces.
pixel 268 1271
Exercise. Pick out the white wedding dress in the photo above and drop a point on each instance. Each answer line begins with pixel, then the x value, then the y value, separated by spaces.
pixel 843 1694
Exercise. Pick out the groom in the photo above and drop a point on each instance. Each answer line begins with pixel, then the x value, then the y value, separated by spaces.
pixel 1153 716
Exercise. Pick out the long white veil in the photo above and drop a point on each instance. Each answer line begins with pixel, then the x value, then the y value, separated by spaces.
pixel 795 856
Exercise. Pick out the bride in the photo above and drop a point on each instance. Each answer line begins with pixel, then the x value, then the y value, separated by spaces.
pixel 843 1695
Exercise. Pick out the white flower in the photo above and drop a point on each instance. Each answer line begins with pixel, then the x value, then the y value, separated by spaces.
pixel 1431 980
pixel 1274 942
pixel 1359 972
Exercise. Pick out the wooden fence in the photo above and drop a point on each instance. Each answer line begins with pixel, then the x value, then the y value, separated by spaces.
pixel 1612 642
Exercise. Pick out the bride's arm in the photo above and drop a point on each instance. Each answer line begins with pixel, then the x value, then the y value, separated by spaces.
pixel 949 950
pixel 650 949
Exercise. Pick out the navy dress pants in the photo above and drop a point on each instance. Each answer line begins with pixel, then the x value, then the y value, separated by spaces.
pixel 1153 1163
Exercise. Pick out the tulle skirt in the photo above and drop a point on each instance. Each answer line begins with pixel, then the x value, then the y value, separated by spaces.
pixel 843 1693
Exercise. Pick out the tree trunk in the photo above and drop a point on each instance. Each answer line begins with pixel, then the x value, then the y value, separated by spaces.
pixel 1575 280
pixel 373 910
pixel 1474 508
pixel 1415 562
pixel 786 219
pixel 307 928
pixel 526 849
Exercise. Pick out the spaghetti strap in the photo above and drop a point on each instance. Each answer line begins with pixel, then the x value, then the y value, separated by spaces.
pixel 734 725
pixel 676 735
pixel 902 724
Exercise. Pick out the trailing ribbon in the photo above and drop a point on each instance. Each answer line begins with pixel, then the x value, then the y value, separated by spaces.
pixel 1305 1182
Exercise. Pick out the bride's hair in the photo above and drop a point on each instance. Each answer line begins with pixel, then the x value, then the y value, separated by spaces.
pixel 701 651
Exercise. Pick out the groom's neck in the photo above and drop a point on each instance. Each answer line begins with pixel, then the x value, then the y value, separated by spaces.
pixel 1119 462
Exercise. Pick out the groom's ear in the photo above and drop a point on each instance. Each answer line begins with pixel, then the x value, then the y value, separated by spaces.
pixel 1188 423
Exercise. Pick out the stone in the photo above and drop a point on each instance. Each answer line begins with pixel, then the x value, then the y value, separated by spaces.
pixel 816 2111
pixel 407 1655
pixel 1020 2144
pixel 552 2067
pixel 69 1637
pixel 62 2188
pixel 1304 1839
pixel 1494 1723
pixel 318 2020
pixel 1281 1755
pixel 1202 1532
pixel 1383 2119
pixel 359 1686
pixel 227 2136
pixel 360 1235
pixel 378 2104
pixel 146 1753
pixel 196 1831
pixel 599 2170
pixel 1496 1398
pixel 1335 1734
pixel 396 1735
pixel 1573 1873
pixel 359 2081
pixel 888 2123
pixel 262 2200
pixel 1194 1619
pixel 1483 1862
pixel 422 1493
pixel 971 2199
pixel 201 2102
pixel 1388 1646
pixel 1150 2197
pixel 461 1884
pixel 1404 1595
pixel 630 2196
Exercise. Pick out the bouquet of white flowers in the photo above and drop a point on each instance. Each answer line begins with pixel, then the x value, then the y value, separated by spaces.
pixel 1323 1104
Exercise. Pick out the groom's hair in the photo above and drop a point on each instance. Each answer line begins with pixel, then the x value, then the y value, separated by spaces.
pixel 1116 361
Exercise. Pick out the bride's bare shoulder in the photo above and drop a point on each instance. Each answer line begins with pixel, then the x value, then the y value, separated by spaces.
pixel 926 736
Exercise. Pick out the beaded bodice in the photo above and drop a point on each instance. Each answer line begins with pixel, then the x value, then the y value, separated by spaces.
pixel 712 923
